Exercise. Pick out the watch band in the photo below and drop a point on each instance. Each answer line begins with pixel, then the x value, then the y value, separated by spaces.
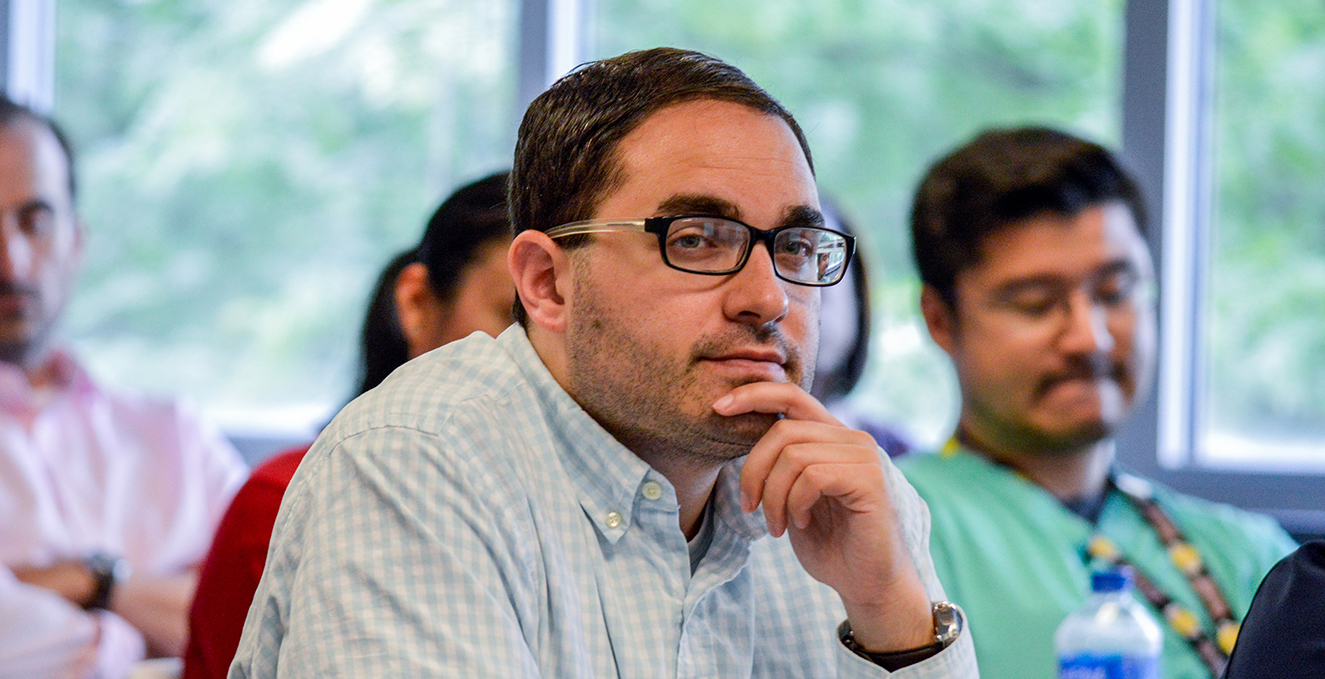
pixel 107 571
pixel 947 627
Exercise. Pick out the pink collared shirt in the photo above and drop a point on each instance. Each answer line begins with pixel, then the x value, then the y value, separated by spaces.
pixel 85 470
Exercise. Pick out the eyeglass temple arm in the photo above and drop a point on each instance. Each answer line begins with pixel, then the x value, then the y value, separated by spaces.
pixel 578 228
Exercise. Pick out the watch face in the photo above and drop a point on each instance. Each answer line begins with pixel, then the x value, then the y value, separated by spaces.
pixel 121 570
pixel 947 622
pixel 103 564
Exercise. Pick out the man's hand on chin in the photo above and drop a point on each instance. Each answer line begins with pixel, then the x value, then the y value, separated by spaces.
pixel 824 485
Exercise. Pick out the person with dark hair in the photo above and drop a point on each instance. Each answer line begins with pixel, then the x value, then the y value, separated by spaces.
pixel 107 500
pixel 1038 283
pixel 576 497
pixel 844 342
pixel 382 344
pixel 454 283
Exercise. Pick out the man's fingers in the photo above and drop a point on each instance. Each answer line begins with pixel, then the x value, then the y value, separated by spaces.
pixel 774 397
pixel 819 442
pixel 840 481
pixel 791 468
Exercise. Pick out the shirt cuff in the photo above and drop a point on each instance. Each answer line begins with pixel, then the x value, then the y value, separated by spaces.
pixel 955 661
pixel 120 646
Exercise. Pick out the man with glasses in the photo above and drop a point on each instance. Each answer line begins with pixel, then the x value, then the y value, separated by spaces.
pixel 1039 285
pixel 578 498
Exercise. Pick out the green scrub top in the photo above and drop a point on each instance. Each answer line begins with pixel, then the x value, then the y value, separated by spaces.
pixel 1011 555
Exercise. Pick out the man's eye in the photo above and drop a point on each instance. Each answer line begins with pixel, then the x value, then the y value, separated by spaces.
pixel 691 241
pixel 798 247
pixel 36 221
pixel 1031 305
pixel 1116 289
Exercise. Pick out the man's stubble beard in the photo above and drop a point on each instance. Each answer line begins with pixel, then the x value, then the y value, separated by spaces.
pixel 27 352
pixel 639 396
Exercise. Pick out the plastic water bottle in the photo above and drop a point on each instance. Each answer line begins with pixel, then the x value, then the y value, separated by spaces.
pixel 1111 636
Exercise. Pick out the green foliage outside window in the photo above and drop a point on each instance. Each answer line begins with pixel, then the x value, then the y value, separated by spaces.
pixel 248 166
pixel 1266 322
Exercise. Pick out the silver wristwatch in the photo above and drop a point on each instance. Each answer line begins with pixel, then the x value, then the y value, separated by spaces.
pixel 947 627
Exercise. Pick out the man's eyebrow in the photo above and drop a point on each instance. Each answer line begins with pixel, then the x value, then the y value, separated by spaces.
pixel 1122 265
pixel 802 215
pixel 36 204
pixel 1038 282
pixel 687 204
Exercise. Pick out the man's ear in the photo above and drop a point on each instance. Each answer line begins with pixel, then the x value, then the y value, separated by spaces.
pixel 940 318
pixel 420 314
pixel 542 274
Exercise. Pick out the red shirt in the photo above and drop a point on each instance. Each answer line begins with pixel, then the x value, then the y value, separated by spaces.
pixel 229 577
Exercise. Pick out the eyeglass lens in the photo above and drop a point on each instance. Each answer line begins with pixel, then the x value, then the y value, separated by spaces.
pixel 708 244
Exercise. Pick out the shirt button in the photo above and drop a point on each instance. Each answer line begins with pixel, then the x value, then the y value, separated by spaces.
pixel 652 491
pixel 613 519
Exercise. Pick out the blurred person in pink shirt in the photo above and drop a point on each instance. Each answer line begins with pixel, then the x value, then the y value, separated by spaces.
pixel 107 501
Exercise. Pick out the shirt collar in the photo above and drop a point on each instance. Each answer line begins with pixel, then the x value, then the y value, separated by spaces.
pixel 69 377
pixel 608 475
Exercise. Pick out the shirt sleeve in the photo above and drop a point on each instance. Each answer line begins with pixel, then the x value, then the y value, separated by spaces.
pixel 42 635
pixel 380 567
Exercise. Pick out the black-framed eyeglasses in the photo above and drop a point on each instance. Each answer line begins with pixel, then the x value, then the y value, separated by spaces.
pixel 716 246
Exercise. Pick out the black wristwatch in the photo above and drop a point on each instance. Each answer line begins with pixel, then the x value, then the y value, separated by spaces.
pixel 947 627
pixel 107 571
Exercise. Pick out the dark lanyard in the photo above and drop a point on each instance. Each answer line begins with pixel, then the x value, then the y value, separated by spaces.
pixel 1188 560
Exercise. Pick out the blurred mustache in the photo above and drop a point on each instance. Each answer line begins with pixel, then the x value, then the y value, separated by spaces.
pixel 1091 367
pixel 12 288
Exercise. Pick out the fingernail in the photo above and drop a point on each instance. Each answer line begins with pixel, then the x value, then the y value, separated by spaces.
pixel 723 402
pixel 745 502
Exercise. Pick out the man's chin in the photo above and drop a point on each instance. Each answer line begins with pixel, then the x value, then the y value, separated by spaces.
pixel 1071 437
pixel 739 431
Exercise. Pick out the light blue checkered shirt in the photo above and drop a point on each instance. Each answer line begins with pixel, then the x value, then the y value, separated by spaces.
pixel 467 519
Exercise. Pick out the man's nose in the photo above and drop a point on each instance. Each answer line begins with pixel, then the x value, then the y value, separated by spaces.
pixel 755 294
pixel 15 250
pixel 1087 325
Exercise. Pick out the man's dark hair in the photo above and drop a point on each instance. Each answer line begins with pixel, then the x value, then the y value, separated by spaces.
pixel 11 112
pixel 565 155
pixel 1001 177
pixel 470 219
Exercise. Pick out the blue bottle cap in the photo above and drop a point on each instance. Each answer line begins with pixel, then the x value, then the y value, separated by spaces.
pixel 1115 580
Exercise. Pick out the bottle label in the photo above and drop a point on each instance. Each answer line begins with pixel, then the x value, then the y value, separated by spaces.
pixel 1091 666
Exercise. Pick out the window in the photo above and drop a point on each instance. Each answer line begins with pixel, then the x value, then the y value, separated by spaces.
pixel 882 88
pixel 248 166
pixel 1263 347
pixel 1228 148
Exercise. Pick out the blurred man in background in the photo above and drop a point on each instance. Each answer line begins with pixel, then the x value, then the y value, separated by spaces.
pixel 1038 283
pixel 107 501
